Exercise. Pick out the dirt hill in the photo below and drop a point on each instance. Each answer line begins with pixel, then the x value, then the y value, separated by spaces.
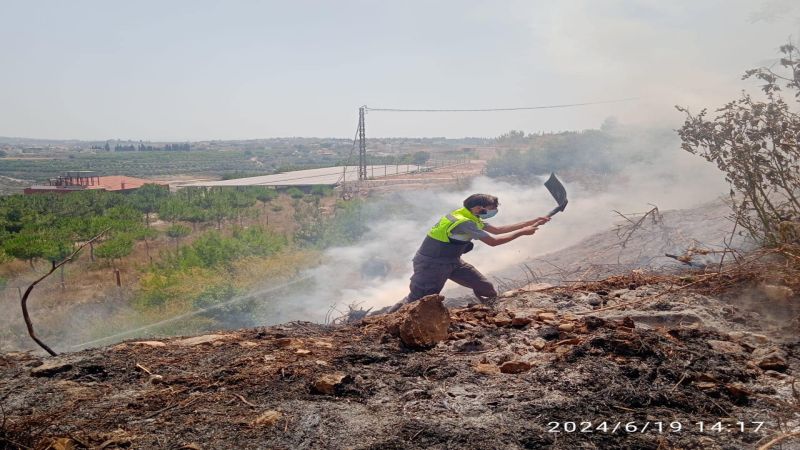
pixel 629 362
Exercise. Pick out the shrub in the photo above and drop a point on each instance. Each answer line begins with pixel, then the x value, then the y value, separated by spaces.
pixel 755 143
pixel 295 193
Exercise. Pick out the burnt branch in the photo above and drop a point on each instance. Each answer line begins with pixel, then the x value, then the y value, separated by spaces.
pixel 55 266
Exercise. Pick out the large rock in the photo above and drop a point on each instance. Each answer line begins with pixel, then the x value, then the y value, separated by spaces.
pixel 421 324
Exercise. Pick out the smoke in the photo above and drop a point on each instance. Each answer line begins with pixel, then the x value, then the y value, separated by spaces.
pixel 670 179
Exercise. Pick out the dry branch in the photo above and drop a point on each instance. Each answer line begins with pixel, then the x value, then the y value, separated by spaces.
pixel 24 300
pixel 778 440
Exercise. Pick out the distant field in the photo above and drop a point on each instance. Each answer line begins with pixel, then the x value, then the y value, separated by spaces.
pixel 149 164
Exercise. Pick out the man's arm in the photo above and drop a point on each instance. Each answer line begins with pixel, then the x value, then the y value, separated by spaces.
pixel 495 241
pixel 509 228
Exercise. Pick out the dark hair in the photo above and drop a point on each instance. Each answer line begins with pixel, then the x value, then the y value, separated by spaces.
pixel 481 200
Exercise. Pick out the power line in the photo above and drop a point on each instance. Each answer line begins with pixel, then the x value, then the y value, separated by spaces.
pixel 523 108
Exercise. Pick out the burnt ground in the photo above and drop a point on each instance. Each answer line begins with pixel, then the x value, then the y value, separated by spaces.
pixel 676 358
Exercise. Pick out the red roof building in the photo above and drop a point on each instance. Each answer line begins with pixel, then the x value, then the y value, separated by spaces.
pixel 86 180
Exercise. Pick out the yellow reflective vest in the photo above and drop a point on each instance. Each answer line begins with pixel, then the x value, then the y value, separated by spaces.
pixel 442 230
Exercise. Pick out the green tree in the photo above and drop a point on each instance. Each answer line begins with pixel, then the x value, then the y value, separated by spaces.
pixel 173 209
pixel 178 232
pixel 148 199
pixel 115 248
pixel 195 215
pixel 420 158
pixel 25 245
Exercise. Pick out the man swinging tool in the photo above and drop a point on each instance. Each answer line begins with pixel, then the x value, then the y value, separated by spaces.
pixel 439 257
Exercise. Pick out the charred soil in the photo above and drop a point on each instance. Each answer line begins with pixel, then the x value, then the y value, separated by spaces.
pixel 513 375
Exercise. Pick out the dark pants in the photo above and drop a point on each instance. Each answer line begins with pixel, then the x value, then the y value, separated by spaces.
pixel 429 278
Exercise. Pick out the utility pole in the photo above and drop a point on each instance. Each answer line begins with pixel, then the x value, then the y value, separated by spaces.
pixel 362 145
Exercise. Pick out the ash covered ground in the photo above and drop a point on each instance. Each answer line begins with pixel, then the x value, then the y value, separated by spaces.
pixel 630 350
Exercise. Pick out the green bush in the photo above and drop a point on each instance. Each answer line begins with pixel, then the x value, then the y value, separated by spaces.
pixel 295 193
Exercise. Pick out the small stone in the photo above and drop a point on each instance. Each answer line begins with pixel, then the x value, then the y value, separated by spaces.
pixel 200 340
pixel 778 375
pixel 50 368
pixel 520 321
pixel 155 379
pixel 248 344
pixel 328 383
pixel 548 333
pixel 511 293
pixel 705 385
pixel 149 343
pixel 302 351
pixel 745 337
pixel 770 359
pixel 515 367
pixel 502 320
pixel 592 299
pixel 592 323
pixel 547 316
pixel 267 418
pixel 725 346
pixel 566 327
pixel 560 350
pixel 539 343
pixel 737 390
pixel 487 369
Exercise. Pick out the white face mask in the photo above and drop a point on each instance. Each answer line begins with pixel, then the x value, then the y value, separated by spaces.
pixel 488 214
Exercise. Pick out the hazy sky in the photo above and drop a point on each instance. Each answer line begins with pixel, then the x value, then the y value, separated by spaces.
pixel 191 70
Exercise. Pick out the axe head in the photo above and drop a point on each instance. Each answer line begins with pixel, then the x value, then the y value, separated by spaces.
pixel 558 192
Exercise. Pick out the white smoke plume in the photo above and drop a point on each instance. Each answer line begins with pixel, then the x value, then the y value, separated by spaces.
pixel 673 180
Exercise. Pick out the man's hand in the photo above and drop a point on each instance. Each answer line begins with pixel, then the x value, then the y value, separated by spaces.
pixel 540 221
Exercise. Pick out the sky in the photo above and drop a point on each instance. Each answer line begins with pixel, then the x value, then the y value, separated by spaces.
pixel 201 69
